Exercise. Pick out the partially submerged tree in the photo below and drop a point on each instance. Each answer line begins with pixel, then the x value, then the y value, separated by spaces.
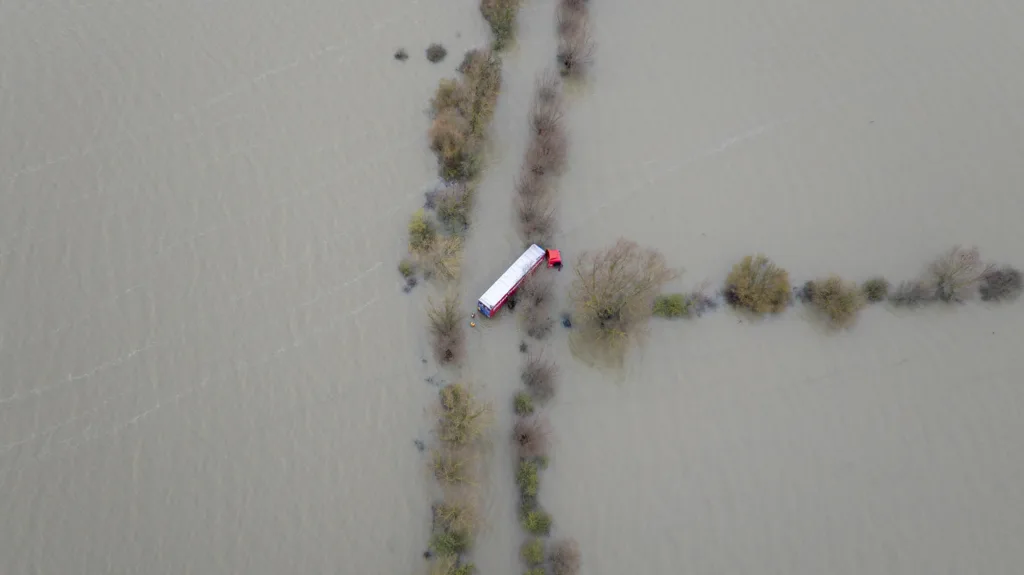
pixel 501 15
pixel 536 219
pixel 911 294
pixel 757 285
pixel 956 272
pixel 614 289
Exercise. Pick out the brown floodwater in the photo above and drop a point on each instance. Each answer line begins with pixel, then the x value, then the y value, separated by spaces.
pixel 208 365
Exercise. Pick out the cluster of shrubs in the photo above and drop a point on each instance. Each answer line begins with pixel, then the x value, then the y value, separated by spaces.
pixel 575 46
pixel 461 110
pixel 461 424
pixel 544 159
pixel 759 286
pixel 531 440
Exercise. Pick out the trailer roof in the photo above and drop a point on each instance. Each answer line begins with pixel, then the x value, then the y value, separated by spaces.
pixel 512 275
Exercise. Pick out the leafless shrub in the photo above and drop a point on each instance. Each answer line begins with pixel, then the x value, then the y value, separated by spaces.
pixel 571 17
pixel 538 322
pixel 955 272
pixel 548 152
pixel 614 289
pixel 548 88
pixel 545 117
pixel 1001 284
pixel 531 436
pixel 564 557
pixel 446 328
pixel 451 138
pixel 575 51
pixel 911 294
pixel 538 376
pixel 452 204
pixel 536 219
pixel 536 290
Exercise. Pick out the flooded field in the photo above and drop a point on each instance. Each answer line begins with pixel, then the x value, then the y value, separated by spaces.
pixel 208 364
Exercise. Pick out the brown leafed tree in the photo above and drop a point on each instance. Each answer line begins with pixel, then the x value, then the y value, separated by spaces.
pixel 614 289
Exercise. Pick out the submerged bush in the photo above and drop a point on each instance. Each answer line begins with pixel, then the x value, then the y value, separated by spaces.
pixel 436 52
pixel 444 259
pixel 452 204
pixel 523 403
pixel 452 95
pixel 564 557
pixel 421 232
pixel 955 272
pixel 531 437
pixel 452 139
pixel 451 467
pixel 548 152
pixel 671 305
pixel 536 218
pixel 538 376
pixel 1001 284
pixel 463 418
pixel 446 328
pixel 537 522
pixel 876 289
pixel 535 571
pixel 758 285
pixel 450 542
pixel 501 15
pixel 575 47
pixel 407 268
pixel 527 478
pixel 482 72
pixel 911 294
pixel 532 551
pixel 839 301
pixel 455 516
pixel 451 565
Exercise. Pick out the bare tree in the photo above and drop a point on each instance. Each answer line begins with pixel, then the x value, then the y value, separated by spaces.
pixel 536 219
pixel 955 272
pixel 614 289
pixel 575 49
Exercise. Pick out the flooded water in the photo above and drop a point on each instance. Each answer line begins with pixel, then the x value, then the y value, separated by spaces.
pixel 208 365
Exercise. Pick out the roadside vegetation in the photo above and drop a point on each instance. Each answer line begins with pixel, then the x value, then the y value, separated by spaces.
pixel 575 46
pixel 461 111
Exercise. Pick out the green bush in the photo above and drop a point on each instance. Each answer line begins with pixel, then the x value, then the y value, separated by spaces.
pixel 535 571
pixel 758 285
pixel 838 300
pixel 450 542
pixel 436 52
pixel 453 205
pixel 527 478
pixel 671 305
pixel 537 522
pixel 407 268
pixel 421 232
pixel 532 551
pixel 523 403
pixel 876 289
